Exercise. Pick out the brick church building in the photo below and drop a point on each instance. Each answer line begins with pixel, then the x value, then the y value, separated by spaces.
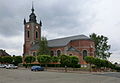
pixel 79 45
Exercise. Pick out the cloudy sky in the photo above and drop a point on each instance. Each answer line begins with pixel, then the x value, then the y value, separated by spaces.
pixel 60 18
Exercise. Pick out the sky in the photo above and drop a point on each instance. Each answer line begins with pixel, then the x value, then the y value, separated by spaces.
pixel 60 18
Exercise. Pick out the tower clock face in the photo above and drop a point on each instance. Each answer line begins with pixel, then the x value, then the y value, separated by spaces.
pixel 28 26
pixel 37 27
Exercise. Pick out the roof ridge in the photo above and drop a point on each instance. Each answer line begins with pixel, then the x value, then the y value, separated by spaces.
pixel 66 37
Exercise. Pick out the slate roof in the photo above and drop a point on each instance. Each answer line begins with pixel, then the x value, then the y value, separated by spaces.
pixel 64 41
pixel 61 41
pixel 3 53
pixel 35 46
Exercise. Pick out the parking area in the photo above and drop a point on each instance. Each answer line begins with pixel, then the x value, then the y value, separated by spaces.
pixel 27 76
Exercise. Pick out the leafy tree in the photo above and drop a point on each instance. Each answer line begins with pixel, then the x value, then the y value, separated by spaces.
pixel 44 59
pixel 101 46
pixel 73 61
pixel 17 60
pixel 90 60
pixel 8 59
pixel 1 59
pixel 105 63
pixel 43 47
pixel 29 59
pixel 65 60
pixel 115 63
pixel 100 63
pixel 97 62
pixel 55 59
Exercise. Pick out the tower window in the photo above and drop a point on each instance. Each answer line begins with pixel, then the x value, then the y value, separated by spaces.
pixel 36 34
pixel 84 53
pixel 28 34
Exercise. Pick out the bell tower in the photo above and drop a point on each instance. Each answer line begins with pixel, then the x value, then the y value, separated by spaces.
pixel 32 32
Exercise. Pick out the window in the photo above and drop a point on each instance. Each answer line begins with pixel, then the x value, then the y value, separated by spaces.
pixel 58 53
pixel 70 54
pixel 52 53
pixel 28 34
pixel 34 53
pixel 36 34
pixel 84 53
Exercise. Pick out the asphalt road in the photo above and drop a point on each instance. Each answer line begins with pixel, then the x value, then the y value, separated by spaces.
pixel 27 76
pixel 110 74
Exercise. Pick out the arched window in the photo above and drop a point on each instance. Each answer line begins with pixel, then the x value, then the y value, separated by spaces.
pixel 84 53
pixel 52 53
pixel 36 34
pixel 34 53
pixel 70 54
pixel 58 53
pixel 28 34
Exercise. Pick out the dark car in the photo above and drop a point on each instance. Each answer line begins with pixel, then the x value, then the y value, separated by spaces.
pixel 37 68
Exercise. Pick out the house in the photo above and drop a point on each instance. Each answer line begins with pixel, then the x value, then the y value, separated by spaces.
pixel 3 53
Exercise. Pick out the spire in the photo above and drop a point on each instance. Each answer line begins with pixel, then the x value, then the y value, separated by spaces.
pixel 32 15
pixel 32 7
pixel 40 23
pixel 24 21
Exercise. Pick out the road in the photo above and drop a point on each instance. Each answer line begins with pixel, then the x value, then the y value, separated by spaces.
pixel 27 76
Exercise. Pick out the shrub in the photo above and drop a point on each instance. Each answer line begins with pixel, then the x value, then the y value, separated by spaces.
pixel 29 59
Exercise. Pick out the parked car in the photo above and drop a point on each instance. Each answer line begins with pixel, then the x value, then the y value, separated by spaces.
pixel 37 68
pixel 5 65
pixel 2 66
pixel 11 66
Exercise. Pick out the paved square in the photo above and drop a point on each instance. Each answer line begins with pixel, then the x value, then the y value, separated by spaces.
pixel 27 76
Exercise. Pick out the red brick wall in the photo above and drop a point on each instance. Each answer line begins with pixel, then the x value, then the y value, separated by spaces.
pixel 80 45
pixel 32 36
pixel 55 49
pixel 83 45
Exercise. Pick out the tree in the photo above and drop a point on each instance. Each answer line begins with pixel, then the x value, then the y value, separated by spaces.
pixel 17 60
pixel 55 59
pixel 1 60
pixel 44 59
pixel 43 47
pixel 73 60
pixel 90 60
pixel 8 59
pixel 65 60
pixel 101 46
pixel 98 62
pixel 29 59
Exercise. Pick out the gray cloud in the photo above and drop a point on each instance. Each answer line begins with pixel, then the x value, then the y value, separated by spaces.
pixel 65 17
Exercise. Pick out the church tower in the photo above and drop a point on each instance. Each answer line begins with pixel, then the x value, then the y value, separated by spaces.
pixel 32 32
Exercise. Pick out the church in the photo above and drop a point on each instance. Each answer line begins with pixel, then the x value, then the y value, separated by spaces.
pixel 78 45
